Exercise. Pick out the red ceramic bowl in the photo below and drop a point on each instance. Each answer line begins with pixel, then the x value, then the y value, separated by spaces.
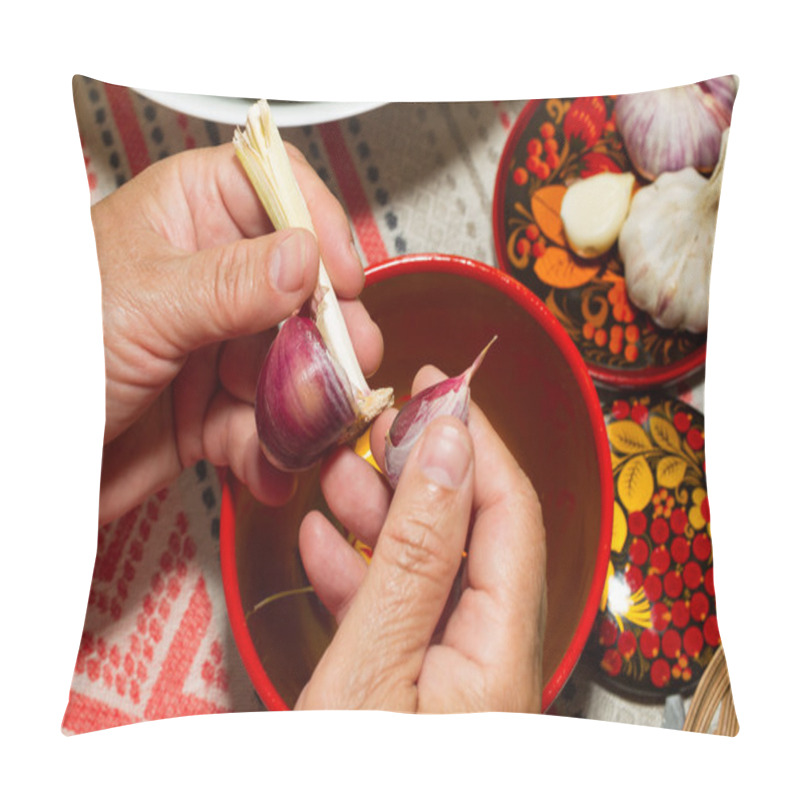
pixel 534 387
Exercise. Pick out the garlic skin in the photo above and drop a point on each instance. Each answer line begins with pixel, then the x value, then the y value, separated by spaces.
pixel 669 129
pixel 450 397
pixel 666 246
pixel 593 211
pixel 724 89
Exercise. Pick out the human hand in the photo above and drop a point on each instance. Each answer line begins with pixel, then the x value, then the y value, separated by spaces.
pixel 193 275
pixel 394 650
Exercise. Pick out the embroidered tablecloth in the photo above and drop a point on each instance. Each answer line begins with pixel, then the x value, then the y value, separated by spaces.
pixel 412 178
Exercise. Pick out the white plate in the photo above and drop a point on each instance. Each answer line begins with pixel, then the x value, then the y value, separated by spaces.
pixel 233 110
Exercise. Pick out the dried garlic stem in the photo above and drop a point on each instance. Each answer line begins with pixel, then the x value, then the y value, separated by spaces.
pixel 262 154
pixel 278 596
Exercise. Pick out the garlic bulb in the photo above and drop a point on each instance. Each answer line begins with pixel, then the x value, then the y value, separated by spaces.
pixel 449 397
pixel 666 246
pixel 311 393
pixel 593 211
pixel 669 129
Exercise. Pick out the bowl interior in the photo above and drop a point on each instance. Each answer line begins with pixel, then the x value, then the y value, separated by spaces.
pixel 542 406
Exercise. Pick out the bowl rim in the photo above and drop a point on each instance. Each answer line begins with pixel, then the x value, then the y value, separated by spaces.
pixel 460 265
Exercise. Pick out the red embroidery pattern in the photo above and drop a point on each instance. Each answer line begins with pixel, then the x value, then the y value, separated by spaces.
pixel 127 124
pixel 90 174
pixel 168 698
pixel 164 623
pixel 505 118
pixel 188 139
pixel 355 199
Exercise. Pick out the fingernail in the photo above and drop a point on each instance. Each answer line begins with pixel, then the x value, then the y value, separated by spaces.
pixel 445 455
pixel 288 263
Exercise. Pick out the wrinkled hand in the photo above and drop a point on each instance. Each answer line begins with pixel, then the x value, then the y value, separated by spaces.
pixel 394 649
pixel 193 274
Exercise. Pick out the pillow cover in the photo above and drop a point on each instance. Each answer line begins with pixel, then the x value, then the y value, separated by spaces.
pixel 500 183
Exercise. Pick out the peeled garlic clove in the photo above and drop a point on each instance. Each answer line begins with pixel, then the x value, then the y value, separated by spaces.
pixel 593 211
pixel 449 397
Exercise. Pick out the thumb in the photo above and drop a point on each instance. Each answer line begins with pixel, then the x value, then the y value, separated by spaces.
pixel 241 288
pixel 389 626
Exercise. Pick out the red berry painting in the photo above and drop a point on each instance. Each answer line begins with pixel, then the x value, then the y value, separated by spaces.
pixel 657 626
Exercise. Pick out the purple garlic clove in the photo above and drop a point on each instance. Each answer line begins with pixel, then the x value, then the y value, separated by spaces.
pixel 450 397
pixel 667 130
pixel 305 403
pixel 302 399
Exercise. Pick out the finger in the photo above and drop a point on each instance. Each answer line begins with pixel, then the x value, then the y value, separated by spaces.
pixel 327 215
pixel 356 494
pixel 224 207
pixel 138 462
pixel 377 436
pixel 426 376
pixel 502 624
pixel 230 439
pixel 502 490
pixel 333 567
pixel 235 210
pixel 192 390
pixel 365 334
pixel 394 615
pixel 331 226
pixel 507 548
pixel 236 290
pixel 240 362
pixel 509 527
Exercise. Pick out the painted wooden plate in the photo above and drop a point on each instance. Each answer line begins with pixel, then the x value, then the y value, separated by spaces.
pixel 656 629
pixel 553 143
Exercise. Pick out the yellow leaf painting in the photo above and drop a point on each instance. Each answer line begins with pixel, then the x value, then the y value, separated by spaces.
pixel 670 471
pixel 635 484
pixel 619 530
pixel 627 437
pixel 664 433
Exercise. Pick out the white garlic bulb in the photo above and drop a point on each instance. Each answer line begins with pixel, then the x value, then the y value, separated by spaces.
pixel 666 246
